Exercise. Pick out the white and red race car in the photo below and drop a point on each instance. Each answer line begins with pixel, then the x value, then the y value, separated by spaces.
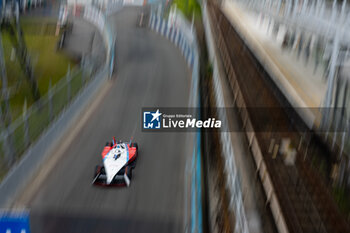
pixel 119 159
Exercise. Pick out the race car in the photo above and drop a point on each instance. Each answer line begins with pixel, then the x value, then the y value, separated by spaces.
pixel 119 159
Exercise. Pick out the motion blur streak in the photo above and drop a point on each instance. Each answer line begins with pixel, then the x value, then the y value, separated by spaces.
pixel 150 72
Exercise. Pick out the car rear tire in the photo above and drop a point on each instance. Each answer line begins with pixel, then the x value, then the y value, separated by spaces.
pixel 134 144
pixel 129 172
pixel 103 171
pixel 132 164
pixel 99 169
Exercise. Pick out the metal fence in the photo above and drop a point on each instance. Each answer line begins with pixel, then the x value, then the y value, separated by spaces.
pixel 183 35
pixel 16 138
pixel 114 6
pixel 98 18
pixel 233 182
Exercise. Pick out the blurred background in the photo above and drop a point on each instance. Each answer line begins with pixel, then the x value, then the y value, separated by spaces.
pixel 76 73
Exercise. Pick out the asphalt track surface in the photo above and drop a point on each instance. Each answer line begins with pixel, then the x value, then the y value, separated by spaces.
pixel 150 72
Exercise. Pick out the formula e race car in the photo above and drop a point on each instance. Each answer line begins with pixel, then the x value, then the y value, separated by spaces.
pixel 119 159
